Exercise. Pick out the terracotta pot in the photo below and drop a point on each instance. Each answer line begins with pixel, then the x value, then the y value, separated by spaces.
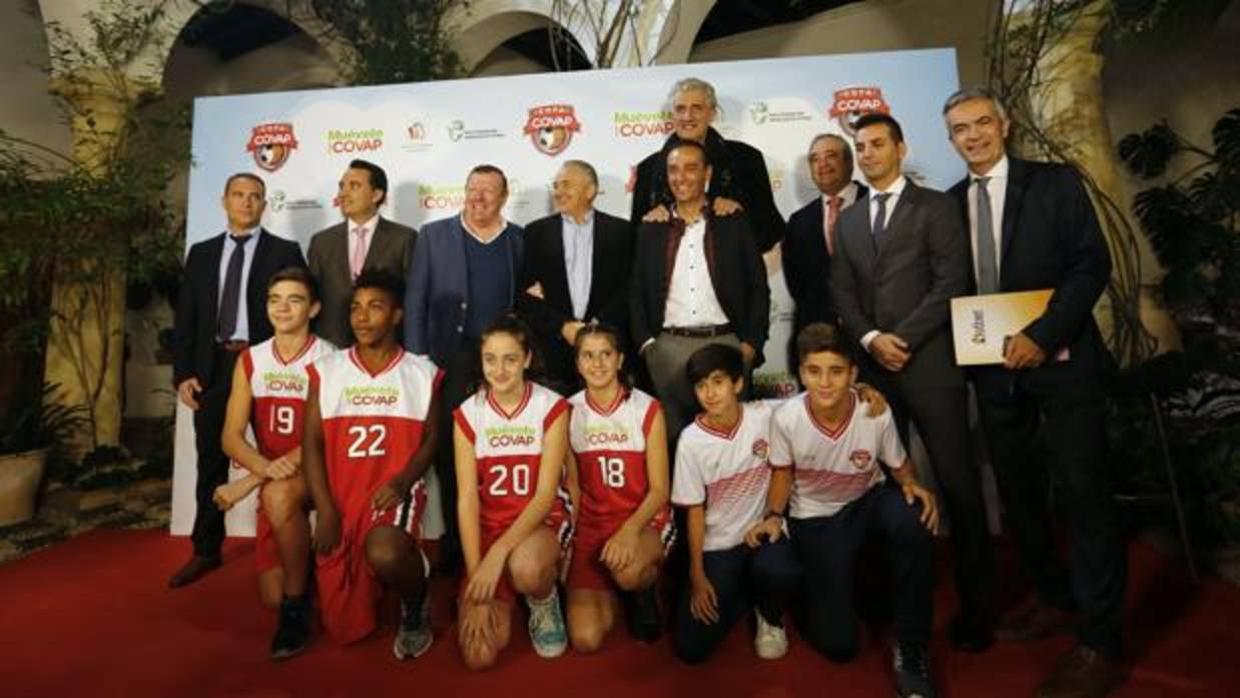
pixel 20 475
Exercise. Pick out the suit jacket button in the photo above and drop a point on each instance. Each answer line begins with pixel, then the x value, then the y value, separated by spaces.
pixel 460 328
pixel 464 305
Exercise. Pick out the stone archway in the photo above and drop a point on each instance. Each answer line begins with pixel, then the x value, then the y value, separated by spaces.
pixel 483 26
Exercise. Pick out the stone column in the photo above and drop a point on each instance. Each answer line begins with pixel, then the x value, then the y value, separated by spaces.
pixel 85 348
pixel 1068 107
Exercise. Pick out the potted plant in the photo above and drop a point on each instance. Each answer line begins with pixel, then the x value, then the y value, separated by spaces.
pixel 34 427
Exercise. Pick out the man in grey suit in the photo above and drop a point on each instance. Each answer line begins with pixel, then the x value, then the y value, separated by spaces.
pixel 364 239
pixel 900 255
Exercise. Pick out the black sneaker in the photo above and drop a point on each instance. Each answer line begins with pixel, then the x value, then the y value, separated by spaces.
pixel 293 632
pixel 641 614
pixel 912 668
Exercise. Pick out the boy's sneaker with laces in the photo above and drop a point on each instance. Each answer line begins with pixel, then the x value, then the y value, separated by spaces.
pixel 770 641
pixel 547 631
pixel 413 634
pixel 293 630
pixel 912 669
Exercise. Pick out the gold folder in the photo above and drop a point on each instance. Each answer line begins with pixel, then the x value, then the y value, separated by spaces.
pixel 981 325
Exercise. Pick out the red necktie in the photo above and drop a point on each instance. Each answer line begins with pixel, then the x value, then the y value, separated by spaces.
pixel 833 214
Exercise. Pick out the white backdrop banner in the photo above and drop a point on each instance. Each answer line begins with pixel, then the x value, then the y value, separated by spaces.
pixel 427 136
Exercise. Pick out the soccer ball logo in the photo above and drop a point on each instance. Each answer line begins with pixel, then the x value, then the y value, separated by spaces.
pixel 551 128
pixel 271 145
pixel 852 103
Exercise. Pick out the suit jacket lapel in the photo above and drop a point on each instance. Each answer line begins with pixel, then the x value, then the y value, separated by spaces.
pixel 903 209
pixel 600 257
pixel 217 256
pixel 1013 197
pixel 380 240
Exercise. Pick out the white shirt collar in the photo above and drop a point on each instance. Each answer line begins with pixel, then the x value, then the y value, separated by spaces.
pixel 997 171
pixel 503 225
pixel 589 218
pixel 896 188
pixel 369 225
pixel 847 195
pixel 248 232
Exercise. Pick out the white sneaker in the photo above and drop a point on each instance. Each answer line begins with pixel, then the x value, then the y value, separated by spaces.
pixel 770 641
pixel 547 631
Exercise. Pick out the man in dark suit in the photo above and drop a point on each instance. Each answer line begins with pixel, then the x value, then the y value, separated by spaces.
pixel 1032 226
pixel 698 279
pixel 576 269
pixel 221 309
pixel 900 256
pixel 364 239
pixel 810 238
pixel 464 275
pixel 738 182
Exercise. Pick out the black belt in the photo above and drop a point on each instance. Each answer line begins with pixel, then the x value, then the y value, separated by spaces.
pixel 702 332
pixel 233 346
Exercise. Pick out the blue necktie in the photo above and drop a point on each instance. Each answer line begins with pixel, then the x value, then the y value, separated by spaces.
pixel 880 221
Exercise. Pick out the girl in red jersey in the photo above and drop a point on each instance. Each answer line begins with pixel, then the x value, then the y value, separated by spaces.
pixel 619 465
pixel 510 439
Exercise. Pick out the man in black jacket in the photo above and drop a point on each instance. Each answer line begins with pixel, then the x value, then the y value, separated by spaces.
pixel 738 181
pixel 576 269
pixel 698 279
pixel 222 309
pixel 1031 227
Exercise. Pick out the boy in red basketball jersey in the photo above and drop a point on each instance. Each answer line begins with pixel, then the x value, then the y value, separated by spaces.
pixel 369 437
pixel 269 390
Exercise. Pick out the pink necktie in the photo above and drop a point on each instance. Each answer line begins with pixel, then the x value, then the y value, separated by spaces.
pixel 359 252
pixel 833 213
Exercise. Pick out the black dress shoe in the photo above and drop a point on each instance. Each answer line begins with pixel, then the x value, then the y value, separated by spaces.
pixel 970 634
pixel 193 570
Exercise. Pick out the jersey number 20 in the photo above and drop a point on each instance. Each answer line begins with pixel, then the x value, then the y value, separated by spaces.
pixel 514 480
pixel 375 433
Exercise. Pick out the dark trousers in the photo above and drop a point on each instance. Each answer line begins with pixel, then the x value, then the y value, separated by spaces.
pixel 1072 436
pixel 827 548
pixel 743 578
pixel 460 376
pixel 666 360
pixel 942 419
pixel 208 532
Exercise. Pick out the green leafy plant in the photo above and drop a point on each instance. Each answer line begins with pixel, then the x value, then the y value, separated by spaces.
pixel 36 420
pixel 1191 217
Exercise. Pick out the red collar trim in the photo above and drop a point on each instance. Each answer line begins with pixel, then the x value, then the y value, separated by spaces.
pixel 357 361
pixel 525 400
pixel 833 434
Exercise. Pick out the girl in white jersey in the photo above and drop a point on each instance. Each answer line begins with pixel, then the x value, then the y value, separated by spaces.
pixel 269 394
pixel 619 470
pixel 510 440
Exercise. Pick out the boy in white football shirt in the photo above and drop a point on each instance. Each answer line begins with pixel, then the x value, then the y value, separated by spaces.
pixel 721 479
pixel 825 455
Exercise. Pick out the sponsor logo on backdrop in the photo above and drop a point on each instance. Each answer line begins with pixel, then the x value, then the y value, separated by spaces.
pixel 852 103
pixel 433 197
pixel 354 141
pixel 458 131
pixel 551 128
pixel 280 201
pixel 271 145
pixel 416 137
pixel 642 124
pixel 761 115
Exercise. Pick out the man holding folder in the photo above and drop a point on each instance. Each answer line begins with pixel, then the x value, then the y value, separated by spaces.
pixel 1032 227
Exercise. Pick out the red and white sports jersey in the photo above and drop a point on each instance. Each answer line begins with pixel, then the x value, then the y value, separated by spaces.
pixel 372 423
pixel 609 444
pixel 726 471
pixel 280 389
pixel 508 450
pixel 832 467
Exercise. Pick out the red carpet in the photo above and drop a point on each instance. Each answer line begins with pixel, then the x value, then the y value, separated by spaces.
pixel 92 617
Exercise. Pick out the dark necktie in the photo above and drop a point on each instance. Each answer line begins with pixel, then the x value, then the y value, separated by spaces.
pixel 232 288
pixel 987 260
pixel 880 221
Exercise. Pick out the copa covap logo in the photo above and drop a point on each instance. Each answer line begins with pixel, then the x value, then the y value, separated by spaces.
pixel 551 128
pixel 852 103
pixel 271 145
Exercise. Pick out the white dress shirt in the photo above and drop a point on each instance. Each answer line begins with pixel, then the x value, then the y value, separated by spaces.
pixel 691 300
pixel 896 189
pixel 997 188
pixel 242 331
pixel 578 260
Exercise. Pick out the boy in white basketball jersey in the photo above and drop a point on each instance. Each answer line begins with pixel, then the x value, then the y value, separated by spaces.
pixel 369 436
pixel 721 478
pixel 269 394
pixel 825 455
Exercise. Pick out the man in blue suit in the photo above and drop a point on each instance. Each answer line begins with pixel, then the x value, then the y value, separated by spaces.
pixel 465 274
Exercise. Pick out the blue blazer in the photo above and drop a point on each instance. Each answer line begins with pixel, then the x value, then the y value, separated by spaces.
pixel 437 297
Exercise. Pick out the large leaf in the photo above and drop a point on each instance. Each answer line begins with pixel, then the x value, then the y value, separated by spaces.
pixel 1146 154
pixel 1227 141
